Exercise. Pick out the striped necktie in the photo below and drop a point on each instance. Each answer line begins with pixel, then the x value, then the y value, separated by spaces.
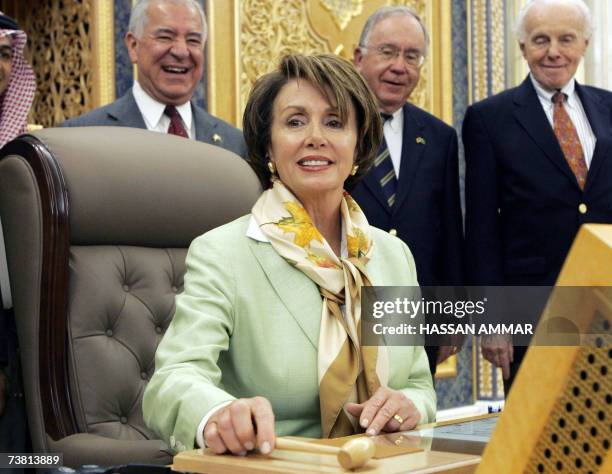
pixel 383 169
pixel 176 124
pixel 568 139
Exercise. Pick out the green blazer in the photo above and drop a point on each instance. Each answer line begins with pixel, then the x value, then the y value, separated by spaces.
pixel 247 324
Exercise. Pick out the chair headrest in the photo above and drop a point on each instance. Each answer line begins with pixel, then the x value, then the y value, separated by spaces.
pixel 129 186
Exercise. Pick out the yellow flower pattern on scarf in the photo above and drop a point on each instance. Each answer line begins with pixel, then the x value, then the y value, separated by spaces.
pixel 321 261
pixel 350 203
pixel 358 243
pixel 300 224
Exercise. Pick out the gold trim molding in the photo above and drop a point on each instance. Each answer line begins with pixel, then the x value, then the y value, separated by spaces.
pixel 103 44
pixel 223 94
pixel 247 37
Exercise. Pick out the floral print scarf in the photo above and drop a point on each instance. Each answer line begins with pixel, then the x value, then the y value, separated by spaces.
pixel 348 372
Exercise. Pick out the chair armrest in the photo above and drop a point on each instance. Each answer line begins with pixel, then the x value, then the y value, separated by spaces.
pixel 85 448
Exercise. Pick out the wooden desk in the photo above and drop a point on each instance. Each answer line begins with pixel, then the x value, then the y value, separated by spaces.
pixel 289 462
pixel 422 460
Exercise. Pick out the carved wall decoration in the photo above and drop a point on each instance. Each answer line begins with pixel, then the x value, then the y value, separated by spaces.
pixel 270 29
pixel 487 48
pixel 497 41
pixel 487 76
pixel 479 59
pixel 343 11
pixel 60 54
pixel 248 37
pixel 103 48
pixel 70 47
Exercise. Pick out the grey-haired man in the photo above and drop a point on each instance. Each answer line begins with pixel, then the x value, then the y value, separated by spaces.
pixel 413 192
pixel 166 40
pixel 538 163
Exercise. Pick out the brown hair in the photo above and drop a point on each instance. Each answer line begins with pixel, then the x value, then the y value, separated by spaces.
pixel 338 80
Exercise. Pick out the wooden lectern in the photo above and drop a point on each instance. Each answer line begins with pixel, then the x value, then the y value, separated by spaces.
pixel 558 417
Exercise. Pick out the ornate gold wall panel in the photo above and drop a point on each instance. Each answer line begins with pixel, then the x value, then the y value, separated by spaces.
pixel 102 34
pixel 477 53
pixel 487 31
pixel 248 37
pixel 498 80
pixel 71 49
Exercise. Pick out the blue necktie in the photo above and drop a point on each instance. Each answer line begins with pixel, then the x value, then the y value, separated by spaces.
pixel 383 169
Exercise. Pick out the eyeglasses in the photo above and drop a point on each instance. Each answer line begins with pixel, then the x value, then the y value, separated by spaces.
pixel 388 53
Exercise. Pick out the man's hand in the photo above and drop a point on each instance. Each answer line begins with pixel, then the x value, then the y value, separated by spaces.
pixel 241 426
pixel 387 410
pixel 498 350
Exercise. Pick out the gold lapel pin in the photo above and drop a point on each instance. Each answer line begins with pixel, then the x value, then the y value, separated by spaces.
pixel 217 138
pixel 420 140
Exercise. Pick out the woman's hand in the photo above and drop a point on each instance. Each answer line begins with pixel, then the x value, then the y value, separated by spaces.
pixel 241 426
pixel 387 410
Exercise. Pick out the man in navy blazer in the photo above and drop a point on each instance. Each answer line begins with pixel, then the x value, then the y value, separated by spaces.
pixel 426 213
pixel 166 40
pixel 538 163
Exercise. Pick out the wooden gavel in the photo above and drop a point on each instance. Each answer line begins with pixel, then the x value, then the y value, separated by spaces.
pixel 352 455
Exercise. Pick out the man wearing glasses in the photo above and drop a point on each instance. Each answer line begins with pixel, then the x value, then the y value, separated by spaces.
pixel 412 190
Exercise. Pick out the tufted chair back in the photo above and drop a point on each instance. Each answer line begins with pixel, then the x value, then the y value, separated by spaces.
pixel 97 222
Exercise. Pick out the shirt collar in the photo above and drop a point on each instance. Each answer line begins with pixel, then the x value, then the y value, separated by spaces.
pixel 568 89
pixel 152 110
pixel 254 232
pixel 397 120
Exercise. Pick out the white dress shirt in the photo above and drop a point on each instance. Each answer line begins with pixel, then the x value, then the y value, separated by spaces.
pixel 394 130
pixel 576 112
pixel 153 112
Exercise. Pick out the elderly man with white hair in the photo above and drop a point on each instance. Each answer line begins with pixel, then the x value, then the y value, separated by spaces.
pixel 166 39
pixel 538 162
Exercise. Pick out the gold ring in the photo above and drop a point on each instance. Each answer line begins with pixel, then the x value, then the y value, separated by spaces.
pixel 399 419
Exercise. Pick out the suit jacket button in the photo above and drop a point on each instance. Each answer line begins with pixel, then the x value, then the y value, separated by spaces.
pixel 582 208
pixel 393 232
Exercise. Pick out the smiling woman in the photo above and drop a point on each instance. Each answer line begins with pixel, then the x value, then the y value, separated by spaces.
pixel 266 337
pixel 337 87
pixel 315 173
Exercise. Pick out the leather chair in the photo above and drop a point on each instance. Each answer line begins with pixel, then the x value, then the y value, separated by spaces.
pixel 97 222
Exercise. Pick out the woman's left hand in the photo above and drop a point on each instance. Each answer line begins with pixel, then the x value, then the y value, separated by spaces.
pixel 387 410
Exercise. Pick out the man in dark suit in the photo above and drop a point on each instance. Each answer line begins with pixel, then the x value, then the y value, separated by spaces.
pixel 538 163
pixel 166 40
pixel 413 189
